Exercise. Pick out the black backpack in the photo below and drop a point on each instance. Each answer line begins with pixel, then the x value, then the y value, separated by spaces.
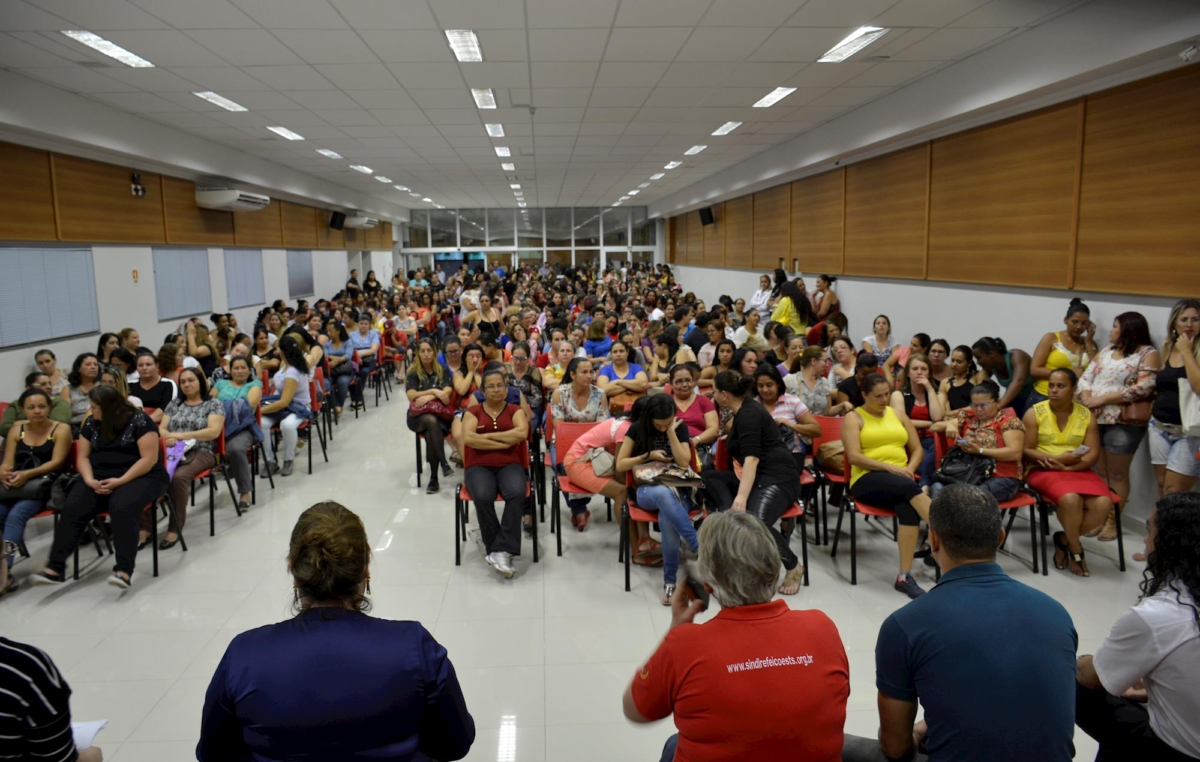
pixel 960 467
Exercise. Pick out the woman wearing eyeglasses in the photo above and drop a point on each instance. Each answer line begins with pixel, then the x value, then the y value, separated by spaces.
pixel 986 429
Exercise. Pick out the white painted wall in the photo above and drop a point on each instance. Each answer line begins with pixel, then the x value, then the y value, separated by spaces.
pixel 122 302
pixel 960 313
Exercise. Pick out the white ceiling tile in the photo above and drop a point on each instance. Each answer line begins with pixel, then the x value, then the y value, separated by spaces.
pixel 323 132
pixel 560 14
pixel 649 128
pixel 297 77
pixel 395 117
pixel 221 79
pixel 798 44
pixel 694 74
pixel 1010 13
pixel 408 46
pixel 187 120
pixel 140 103
pixel 324 99
pixel 625 74
pixel 245 47
pixel 262 100
pixel 355 76
pixel 564 74
pixel 18 16
pixel 847 14
pixel 300 14
pixel 929 13
pixel 496 75
pixel 503 44
pixel 619 96
pixel 427 75
pixel 893 42
pixel 394 98
pixel 949 44
pixel 545 98
pixel 548 115
pixel 739 97
pixel 62 46
pixel 474 14
pixel 723 44
pixel 662 12
pixel 166 48
pixel 602 127
pixel 461 130
pixel 828 75
pixel 893 73
pixel 152 80
pixel 290 119
pixel 210 14
pixel 567 44
pixel 849 96
pixel 762 75
pixel 387 14
pixel 101 15
pixel 750 12
pixel 453 116
pixel 349 117
pixel 255 121
pixel 79 80
pixel 655 44
pixel 21 55
pixel 326 46
pixel 457 97
pixel 566 133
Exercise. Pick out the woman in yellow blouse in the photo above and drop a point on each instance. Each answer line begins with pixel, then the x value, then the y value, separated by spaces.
pixel 1061 460
pixel 1071 349
pixel 793 308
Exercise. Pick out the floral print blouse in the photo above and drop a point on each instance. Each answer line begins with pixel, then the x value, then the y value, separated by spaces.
pixel 1107 374
pixel 562 406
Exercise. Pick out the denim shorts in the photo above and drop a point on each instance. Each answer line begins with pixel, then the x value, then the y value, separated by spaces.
pixel 1121 439
pixel 1177 453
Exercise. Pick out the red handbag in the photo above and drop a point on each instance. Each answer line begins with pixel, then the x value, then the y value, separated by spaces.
pixel 434 407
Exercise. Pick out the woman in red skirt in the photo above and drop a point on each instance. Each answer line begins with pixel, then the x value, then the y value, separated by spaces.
pixel 1061 459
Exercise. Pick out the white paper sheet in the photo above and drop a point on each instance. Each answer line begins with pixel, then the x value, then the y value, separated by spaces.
pixel 85 732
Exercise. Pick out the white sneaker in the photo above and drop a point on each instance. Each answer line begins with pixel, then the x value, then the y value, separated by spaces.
pixel 501 562
pixel 476 537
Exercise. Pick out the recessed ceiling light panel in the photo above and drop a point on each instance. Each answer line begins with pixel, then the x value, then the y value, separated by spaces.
pixel 503 151
pixel 284 132
pixel 773 97
pixel 330 154
pixel 465 44
pixel 484 98
pixel 220 100
pixel 383 179
pixel 659 176
pixel 495 130
pixel 673 165
pixel 361 168
pixel 727 128
pixel 858 39
pixel 694 150
pixel 109 48
pixel 508 167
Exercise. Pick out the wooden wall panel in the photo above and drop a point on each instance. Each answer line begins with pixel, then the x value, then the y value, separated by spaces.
pixel 678 238
pixel 374 238
pixel 327 237
pixel 354 238
pixel 772 227
pixel 886 214
pixel 26 194
pixel 388 240
pixel 1139 207
pixel 95 203
pixel 739 232
pixel 714 238
pixel 695 238
pixel 818 221
pixel 187 223
pixel 1002 200
pixel 261 228
pixel 299 225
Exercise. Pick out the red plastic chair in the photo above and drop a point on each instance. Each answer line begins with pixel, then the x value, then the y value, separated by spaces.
pixel 855 507
pixel 831 431
pixel 631 512
pixel 253 453
pixel 462 507
pixel 564 439
pixel 222 458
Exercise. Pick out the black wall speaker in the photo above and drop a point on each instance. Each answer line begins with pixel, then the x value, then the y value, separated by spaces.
pixel 706 216
pixel 337 220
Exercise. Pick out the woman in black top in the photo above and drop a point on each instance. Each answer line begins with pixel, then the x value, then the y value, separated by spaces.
pixel 118 462
pixel 955 391
pixel 770 482
pixel 427 381
pixel 152 389
pixel 370 285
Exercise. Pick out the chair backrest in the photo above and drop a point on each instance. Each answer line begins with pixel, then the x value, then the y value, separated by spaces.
pixel 567 434
pixel 72 455
pixel 313 396
pixel 941 446
pixel 831 430
pixel 219 445
pixel 3 407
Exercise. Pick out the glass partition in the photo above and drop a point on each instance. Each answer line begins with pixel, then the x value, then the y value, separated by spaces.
pixel 643 229
pixel 558 257
pixel 500 227
pixel 418 229
pixel 558 228
pixel 470 227
pixel 442 228
pixel 587 226
pixel 529 228
pixel 587 258
pixel 616 226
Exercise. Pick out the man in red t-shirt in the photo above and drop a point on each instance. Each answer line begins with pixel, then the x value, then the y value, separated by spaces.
pixel 758 681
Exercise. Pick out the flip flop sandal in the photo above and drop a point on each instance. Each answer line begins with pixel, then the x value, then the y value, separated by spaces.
pixel 1060 547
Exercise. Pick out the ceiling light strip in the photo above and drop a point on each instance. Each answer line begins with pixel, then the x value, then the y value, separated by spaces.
pixel 284 132
pixel 109 48
pixel 465 44
pixel 773 97
pixel 858 39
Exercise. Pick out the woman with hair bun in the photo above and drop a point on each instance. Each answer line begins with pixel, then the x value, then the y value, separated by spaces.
pixel 1009 368
pixel 369 689
pixel 770 480
pixel 1071 349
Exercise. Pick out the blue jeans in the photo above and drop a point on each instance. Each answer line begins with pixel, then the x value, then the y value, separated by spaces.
pixel 1001 487
pixel 14 515
pixel 668 754
pixel 341 389
pixel 674 521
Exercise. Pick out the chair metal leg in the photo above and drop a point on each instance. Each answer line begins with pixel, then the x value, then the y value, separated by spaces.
pixel 457 521
pixel 1045 526
pixel 837 532
pixel 853 548
pixel 321 437
pixel 804 544
pixel 418 436
pixel 624 542
pixel 555 519
pixel 154 535
pixel 310 449
pixel 1033 522
pixel 534 530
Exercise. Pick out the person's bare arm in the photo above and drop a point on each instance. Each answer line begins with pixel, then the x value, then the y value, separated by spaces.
pixel 896 721
pixel 1040 355
pixel 1086 675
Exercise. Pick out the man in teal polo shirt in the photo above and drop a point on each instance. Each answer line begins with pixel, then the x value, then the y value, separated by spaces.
pixel 991 660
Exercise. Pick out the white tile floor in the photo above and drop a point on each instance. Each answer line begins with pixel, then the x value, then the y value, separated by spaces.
pixel 543 658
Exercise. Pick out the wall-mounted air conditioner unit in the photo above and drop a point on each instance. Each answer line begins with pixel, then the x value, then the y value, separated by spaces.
pixel 357 221
pixel 230 200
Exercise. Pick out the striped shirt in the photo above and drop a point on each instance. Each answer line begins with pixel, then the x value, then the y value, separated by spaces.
pixel 35 715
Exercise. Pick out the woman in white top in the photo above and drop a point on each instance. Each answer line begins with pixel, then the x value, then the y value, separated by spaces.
pixel 1137 696
pixel 880 343
pixel 844 358
pixel 749 335
pixel 761 301
pixel 291 384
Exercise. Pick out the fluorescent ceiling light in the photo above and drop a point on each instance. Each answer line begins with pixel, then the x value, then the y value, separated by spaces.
pixel 617 203
pixel 694 150
pixel 515 186
pixel 633 192
pixel 484 98
pixel 644 185
pixel 465 45
pixel 110 49
pixel 361 168
pixel 383 179
pixel 429 200
pixel 415 195
pixel 659 176
pixel 673 164
pixel 503 151
pixel 439 206
pixel 858 39
pixel 330 154
pixel 773 97
pixel 495 130
pixel 727 128
pixel 522 204
pixel 401 187
pixel 284 132
pixel 220 100
pixel 508 167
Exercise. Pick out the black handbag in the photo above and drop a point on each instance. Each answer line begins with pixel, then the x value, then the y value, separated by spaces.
pixel 37 488
pixel 959 467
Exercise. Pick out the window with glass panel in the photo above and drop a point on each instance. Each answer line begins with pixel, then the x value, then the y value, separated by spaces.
pixel 442 228
pixel 616 226
pixel 529 228
pixel 643 228
pixel 587 226
pixel 470 227
pixel 501 228
pixel 558 228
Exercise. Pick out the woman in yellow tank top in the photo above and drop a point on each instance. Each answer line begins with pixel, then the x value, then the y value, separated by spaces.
pixel 1071 349
pixel 884 453
pixel 1061 473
